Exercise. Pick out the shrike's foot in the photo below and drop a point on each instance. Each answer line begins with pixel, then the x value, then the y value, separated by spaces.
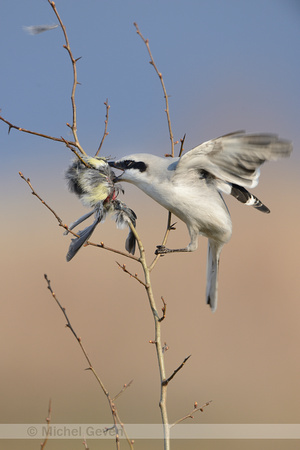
pixel 161 250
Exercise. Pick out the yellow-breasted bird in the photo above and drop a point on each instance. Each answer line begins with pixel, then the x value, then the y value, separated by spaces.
pixel 95 187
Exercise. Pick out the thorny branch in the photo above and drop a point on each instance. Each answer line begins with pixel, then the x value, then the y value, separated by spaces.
pixel 169 228
pixel 181 145
pixel 84 443
pixel 60 222
pixel 70 146
pixel 105 128
pixel 167 381
pixel 75 82
pixel 73 127
pixel 190 415
pixel 45 136
pixel 146 42
pixel 164 310
pixel 157 341
pixel 126 386
pixel 110 400
pixel 110 249
pixel 48 421
pixel 123 267
pixel 160 349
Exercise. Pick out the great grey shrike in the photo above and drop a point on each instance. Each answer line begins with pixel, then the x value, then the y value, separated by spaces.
pixel 191 187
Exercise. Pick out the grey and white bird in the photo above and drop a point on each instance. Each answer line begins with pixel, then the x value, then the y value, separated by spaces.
pixel 191 187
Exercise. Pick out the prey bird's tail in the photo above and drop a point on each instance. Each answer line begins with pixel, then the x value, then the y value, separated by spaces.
pixel 213 256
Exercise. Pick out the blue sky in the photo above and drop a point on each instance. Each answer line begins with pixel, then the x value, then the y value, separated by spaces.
pixel 227 65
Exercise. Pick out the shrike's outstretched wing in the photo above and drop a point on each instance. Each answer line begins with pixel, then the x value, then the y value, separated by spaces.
pixel 235 157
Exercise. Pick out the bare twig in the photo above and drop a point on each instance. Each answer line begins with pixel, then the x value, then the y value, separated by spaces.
pixel 169 228
pixel 75 82
pixel 45 136
pixel 105 128
pixel 164 309
pixel 48 421
pixel 167 380
pixel 157 340
pixel 190 415
pixel 60 222
pixel 126 386
pixel 146 42
pixel 123 267
pixel 110 249
pixel 70 146
pixel 105 391
pixel 181 145
pixel 84 443
pixel 152 62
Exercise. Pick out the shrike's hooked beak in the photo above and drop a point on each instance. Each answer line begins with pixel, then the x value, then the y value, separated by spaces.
pixel 116 165
pixel 119 166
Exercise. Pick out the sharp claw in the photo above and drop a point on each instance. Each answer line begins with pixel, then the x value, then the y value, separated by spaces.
pixel 160 250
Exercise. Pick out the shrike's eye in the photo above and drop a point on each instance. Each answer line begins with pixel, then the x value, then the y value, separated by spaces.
pixel 128 164
pixel 139 165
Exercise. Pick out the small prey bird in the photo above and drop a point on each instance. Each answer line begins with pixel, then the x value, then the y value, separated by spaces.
pixel 191 187
pixel 94 185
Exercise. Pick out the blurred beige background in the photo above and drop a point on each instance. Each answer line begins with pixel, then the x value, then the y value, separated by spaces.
pixel 245 357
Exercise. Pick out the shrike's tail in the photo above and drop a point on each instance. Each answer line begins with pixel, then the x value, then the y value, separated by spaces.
pixel 213 255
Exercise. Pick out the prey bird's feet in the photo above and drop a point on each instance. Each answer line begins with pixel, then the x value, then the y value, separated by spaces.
pixel 162 250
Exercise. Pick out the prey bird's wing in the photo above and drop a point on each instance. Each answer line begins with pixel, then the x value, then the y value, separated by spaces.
pixel 235 157
pixel 78 242
pixel 85 234
pixel 80 220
